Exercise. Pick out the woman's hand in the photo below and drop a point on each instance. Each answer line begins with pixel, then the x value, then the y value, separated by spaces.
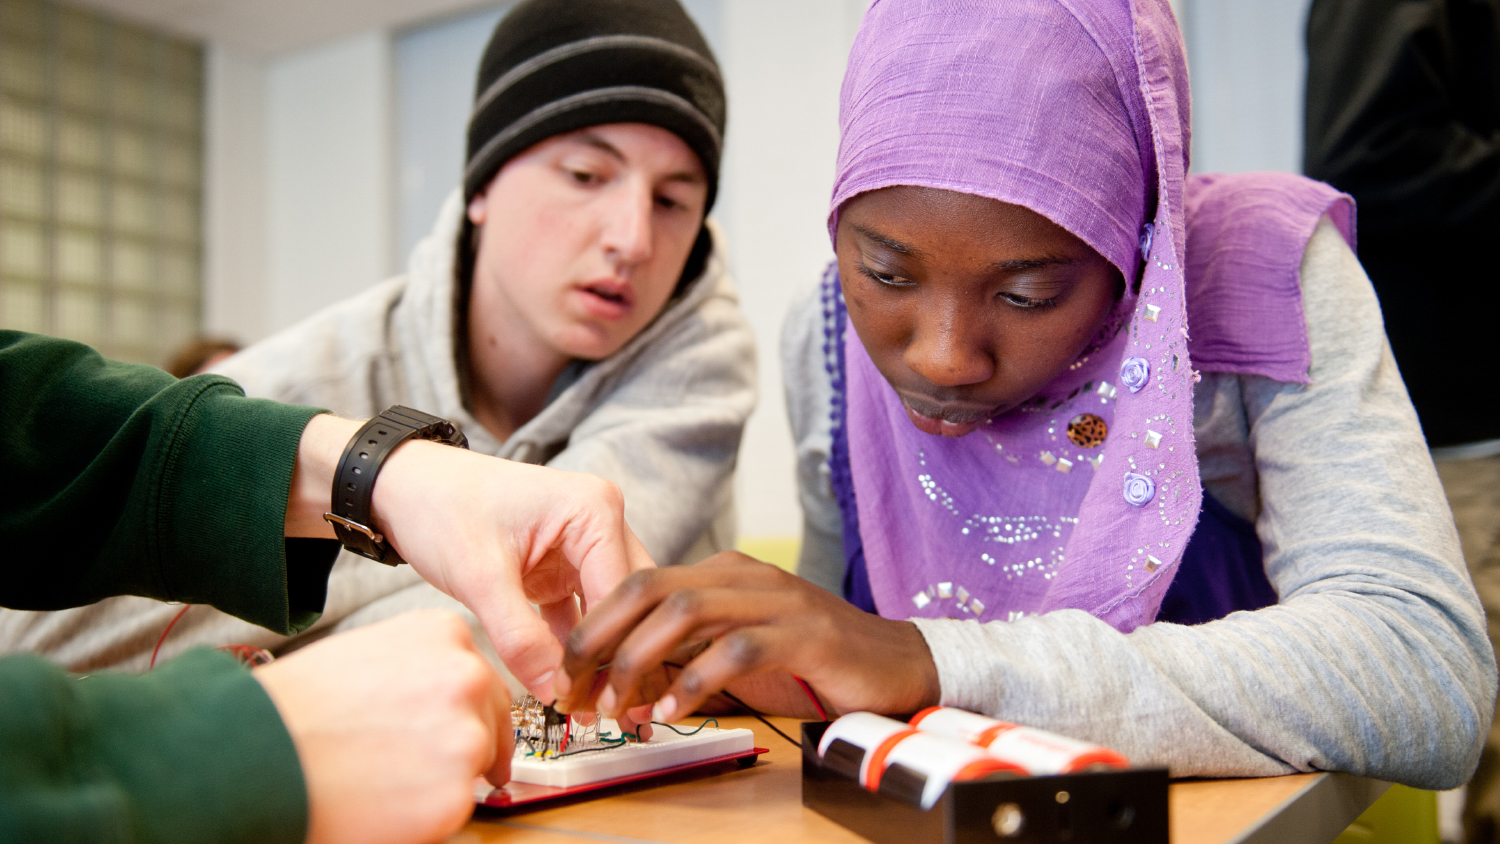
pixel 764 624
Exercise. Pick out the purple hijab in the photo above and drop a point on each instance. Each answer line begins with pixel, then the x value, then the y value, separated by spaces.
pixel 1041 103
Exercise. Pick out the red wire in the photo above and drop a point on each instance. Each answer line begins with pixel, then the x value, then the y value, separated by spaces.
pixel 822 716
pixel 170 625
pixel 249 655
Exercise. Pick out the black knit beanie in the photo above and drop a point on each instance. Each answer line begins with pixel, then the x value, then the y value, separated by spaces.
pixel 554 66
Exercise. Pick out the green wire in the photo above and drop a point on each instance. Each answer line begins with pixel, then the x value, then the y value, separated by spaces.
pixel 616 741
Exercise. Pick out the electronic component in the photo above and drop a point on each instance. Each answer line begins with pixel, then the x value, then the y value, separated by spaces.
pixel 855 745
pixel 920 766
pixel 888 756
pixel 558 750
pixel 543 731
pixel 1101 807
pixel 1036 752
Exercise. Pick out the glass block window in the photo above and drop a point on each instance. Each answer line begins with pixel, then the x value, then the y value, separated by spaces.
pixel 101 157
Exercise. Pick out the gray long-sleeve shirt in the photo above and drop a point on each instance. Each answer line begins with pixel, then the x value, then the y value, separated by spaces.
pixel 1375 660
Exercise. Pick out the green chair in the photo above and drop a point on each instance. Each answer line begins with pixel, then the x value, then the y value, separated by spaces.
pixel 1401 816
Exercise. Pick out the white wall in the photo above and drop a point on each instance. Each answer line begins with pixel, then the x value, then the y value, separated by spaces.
pixel 330 193
pixel 783 83
pixel 299 182
pixel 435 66
pixel 1248 65
pixel 235 239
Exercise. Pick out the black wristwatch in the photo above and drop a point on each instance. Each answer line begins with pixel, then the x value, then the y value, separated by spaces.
pixel 354 482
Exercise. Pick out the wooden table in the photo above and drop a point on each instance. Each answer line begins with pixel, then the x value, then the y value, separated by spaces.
pixel 764 804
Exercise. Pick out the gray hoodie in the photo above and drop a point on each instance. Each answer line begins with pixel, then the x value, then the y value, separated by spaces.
pixel 662 418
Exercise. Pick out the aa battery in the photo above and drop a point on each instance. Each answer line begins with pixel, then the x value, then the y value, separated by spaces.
pixel 856 744
pixel 888 756
pixel 919 766
pixel 1037 752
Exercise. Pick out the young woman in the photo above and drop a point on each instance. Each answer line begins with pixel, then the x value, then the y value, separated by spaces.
pixel 572 307
pixel 1048 390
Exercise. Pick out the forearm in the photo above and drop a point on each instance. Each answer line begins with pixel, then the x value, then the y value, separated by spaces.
pixel 175 490
pixel 1335 681
pixel 318 453
pixel 194 751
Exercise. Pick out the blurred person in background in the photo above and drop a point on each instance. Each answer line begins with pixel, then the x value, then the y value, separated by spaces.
pixel 572 307
pixel 1403 113
pixel 200 355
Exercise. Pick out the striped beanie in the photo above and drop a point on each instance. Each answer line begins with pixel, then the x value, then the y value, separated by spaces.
pixel 555 66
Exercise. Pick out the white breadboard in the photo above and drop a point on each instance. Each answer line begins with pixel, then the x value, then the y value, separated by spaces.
pixel 664 750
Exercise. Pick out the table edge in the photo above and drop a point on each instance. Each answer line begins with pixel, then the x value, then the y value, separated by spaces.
pixel 1318 811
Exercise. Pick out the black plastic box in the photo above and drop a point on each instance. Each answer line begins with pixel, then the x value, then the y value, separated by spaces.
pixel 1110 807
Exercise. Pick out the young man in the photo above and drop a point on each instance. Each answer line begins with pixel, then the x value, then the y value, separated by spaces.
pixel 571 308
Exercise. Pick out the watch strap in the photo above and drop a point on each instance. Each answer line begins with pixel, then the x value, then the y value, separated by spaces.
pixel 354 482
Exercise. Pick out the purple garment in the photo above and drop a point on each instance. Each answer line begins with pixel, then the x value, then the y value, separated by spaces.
pixel 1039 103
pixel 1222 570
pixel 856 580
pixel 1254 226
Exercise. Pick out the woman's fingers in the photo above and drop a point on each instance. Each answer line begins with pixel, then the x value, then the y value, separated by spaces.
pixel 759 619
pixel 739 653
pixel 686 615
pixel 637 720
pixel 593 642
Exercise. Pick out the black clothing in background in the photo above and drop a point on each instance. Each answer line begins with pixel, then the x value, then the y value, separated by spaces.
pixel 1403 113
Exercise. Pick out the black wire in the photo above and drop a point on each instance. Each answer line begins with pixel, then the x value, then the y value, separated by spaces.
pixel 761 718
pixel 743 705
pixel 700 729
pixel 750 709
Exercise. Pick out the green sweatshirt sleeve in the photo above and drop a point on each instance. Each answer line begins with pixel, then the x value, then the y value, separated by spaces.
pixel 192 752
pixel 121 480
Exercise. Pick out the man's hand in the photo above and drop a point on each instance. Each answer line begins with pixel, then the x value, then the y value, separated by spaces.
pixel 494 534
pixel 734 622
pixel 392 723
